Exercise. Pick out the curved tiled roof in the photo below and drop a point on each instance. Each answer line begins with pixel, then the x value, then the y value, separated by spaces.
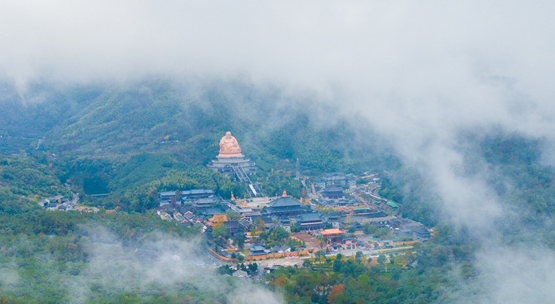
pixel 284 201
pixel 333 189
pixel 309 217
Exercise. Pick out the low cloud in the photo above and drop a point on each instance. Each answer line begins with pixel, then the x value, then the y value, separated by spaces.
pixel 167 262
pixel 518 275
pixel 9 276
pixel 159 267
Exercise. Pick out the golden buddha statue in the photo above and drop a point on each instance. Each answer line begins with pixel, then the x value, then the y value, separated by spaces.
pixel 229 147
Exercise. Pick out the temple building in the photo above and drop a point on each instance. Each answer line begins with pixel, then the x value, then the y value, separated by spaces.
pixel 310 221
pixel 230 159
pixel 285 206
pixel 333 192
pixel 332 235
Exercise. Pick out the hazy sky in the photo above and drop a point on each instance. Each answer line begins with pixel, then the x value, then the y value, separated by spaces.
pixel 428 63
pixel 419 71
pixel 382 46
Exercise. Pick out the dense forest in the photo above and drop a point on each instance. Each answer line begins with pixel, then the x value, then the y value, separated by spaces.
pixel 67 257
pixel 132 139
pixel 102 257
pixel 131 143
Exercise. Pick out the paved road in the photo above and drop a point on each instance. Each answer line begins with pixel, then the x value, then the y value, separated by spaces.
pixel 75 198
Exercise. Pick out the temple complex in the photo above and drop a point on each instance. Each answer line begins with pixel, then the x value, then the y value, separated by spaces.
pixel 230 160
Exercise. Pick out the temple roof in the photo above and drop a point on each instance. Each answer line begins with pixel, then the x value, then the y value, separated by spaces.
pixel 167 193
pixel 309 217
pixel 332 232
pixel 284 201
pixel 333 189
pixel 334 174
pixel 197 192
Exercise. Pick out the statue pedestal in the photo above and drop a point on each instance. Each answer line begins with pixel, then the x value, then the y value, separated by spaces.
pixel 234 156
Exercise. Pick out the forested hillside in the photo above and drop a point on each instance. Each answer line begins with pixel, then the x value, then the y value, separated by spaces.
pixel 133 141
pixel 118 138
pixel 67 257
pixel 103 257
pixel 187 121
pixel 511 164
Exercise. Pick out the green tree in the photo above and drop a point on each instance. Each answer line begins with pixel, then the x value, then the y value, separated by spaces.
pixel 260 225
pixel 219 231
pixel 338 263
pixel 369 229
pixel 232 216
pixel 279 233
pixel 239 240
pixel 253 268
pixel 359 256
